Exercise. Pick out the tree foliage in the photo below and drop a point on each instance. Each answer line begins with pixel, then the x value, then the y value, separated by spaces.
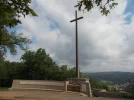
pixel 10 41
pixel 10 12
pixel 38 65
pixel 34 65
pixel 103 7
pixel 99 84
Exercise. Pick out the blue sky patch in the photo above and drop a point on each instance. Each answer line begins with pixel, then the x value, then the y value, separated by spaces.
pixel 129 9
pixel 53 24
pixel 14 28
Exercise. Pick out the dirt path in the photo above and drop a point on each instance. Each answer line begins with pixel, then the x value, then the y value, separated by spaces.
pixel 46 95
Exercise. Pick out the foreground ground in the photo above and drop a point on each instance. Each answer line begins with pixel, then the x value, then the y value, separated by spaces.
pixel 46 95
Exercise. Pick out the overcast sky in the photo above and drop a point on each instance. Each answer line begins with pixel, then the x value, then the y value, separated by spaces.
pixel 105 43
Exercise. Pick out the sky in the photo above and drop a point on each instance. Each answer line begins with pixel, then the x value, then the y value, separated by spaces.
pixel 105 42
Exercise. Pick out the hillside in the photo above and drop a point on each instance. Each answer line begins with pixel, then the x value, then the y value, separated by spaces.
pixel 115 77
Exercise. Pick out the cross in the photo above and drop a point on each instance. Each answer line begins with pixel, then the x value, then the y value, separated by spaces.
pixel 76 38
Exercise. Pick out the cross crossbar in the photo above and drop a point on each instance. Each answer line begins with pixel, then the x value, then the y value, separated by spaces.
pixel 76 19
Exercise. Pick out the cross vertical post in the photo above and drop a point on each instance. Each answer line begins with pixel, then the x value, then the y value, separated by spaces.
pixel 76 38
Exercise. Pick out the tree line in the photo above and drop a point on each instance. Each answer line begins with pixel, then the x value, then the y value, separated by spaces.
pixel 34 65
pixel 38 65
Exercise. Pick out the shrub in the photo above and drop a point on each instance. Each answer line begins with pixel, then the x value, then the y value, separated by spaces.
pixel 99 84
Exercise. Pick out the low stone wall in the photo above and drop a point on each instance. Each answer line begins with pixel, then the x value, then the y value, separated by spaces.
pixel 109 94
pixel 96 92
pixel 104 93
pixel 39 84
pixel 75 85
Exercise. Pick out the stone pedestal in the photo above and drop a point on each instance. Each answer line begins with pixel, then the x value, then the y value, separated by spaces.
pixel 84 85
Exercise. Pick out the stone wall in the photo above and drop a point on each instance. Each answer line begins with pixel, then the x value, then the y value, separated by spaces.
pixel 39 84
pixel 75 85
pixel 109 94
pixel 82 84
pixel 104 93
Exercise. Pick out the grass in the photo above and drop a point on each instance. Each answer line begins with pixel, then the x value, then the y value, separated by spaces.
pixel 3 89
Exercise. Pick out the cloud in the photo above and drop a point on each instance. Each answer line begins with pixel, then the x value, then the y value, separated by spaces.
pixel 104 42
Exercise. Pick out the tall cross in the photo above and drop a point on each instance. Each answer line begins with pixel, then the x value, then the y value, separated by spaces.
pixel 76 38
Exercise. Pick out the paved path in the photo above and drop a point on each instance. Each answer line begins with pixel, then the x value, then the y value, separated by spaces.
pixel 47 95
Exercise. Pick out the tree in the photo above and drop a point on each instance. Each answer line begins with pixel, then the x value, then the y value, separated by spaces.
pixel 9 71
pixel 103 7
pixel 99 84
pixel 10 12
pixel 39 65
pixel 34 65
pixel 9 41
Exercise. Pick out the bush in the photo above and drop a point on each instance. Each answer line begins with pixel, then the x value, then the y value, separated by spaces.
pixel 114 89
pixel 99 84
pixel 130 96
pixel 103 85
pixel 5 82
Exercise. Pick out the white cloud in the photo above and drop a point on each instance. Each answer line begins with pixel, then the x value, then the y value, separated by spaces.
pixel 102 40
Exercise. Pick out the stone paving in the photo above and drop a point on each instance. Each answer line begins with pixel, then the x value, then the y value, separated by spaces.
pixel 48 95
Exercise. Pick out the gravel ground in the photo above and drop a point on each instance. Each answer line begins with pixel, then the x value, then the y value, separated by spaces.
pixel 47 95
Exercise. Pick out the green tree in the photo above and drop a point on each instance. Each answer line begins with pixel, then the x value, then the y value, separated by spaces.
pixel 39 65
pixel 8 72
pixel 34 65
pixel 10 41
pixel 99 84
pixel 103 7
pixel 10 12
pixel 64 72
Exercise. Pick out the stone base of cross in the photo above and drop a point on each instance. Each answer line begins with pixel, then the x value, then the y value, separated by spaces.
pixel 83 84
